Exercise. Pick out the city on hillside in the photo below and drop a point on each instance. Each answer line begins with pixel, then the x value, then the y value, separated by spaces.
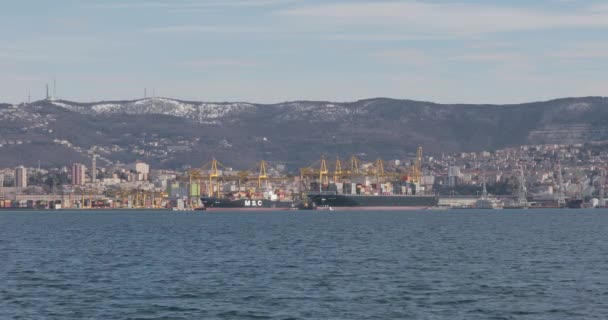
pixel 530 176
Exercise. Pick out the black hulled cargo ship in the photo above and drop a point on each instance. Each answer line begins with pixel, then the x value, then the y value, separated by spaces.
pixel 246 204
pixel 372 202
pixel 397 195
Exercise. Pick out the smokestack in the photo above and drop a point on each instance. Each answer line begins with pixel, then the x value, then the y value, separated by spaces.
pixel 47 91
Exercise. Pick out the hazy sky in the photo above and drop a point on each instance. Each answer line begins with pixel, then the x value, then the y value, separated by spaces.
pixel 275 50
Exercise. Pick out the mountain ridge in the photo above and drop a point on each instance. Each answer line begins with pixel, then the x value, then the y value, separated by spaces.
pixel 170 133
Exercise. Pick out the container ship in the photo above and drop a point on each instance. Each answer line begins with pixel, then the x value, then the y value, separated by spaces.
pixel 372 202
pixel 214 203
pixel 395 195
pixel 368 188
pixel 341 196
pixel 231 203
pixel 323 200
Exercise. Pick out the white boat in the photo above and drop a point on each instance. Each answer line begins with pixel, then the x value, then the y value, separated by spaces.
pixel 487 202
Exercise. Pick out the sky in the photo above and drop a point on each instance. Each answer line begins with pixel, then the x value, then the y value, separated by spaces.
pixel 269 51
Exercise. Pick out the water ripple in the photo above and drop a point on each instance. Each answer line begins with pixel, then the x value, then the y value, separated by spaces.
pixel 359 265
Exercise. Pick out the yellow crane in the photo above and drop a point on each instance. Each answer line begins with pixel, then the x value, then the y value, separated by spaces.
pixel 338 173
pixel 417 166
pixel 258 173
pixel 378 171
pixel 262 175
pixel 194 176
pixel 354 165
pixel 323 172
pixel 90 198
pixel 214 173
pixel 211 172
pixel 317 170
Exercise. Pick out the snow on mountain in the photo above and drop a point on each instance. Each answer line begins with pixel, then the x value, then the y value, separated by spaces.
pixel 18 113
pixel 318 111
pixel 213 113
pixel 213 110
pixel 161 106
pixel 200 112
pixel 69 106
pixel 105 107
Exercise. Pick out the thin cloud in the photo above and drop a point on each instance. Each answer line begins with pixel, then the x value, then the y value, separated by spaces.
pixel 176 5
pixel 404 56
pixel 447 19
pixel 217 63
pixel 599 8
pixel 23 56
pixel 490 57
pixel 583 51
pixel 205 29
pixel 375 37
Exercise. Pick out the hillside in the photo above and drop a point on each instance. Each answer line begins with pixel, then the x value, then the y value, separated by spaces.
pixel 171 133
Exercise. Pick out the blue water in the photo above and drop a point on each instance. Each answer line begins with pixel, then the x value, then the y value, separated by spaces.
pixel 304 265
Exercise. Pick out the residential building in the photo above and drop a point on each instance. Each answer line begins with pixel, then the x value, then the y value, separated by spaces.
pixel 21 177
pixel 78 174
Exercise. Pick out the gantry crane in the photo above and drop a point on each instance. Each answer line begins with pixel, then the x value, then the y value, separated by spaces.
pixel 417 167
pixel 262 175
pixel 322 173
pixel 210 173
pixel 338 170
pixel 354 166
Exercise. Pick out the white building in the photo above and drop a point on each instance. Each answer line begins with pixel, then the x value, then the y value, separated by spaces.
pixel 141 167
pixel 454 175
pixel 454 171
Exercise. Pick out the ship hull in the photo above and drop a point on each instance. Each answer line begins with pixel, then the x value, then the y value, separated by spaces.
pixel 575 204
pixel 382 208
pixel 356 202
pixel 222 204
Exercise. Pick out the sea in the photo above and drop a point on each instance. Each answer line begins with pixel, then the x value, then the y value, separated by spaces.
pixel 454 264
